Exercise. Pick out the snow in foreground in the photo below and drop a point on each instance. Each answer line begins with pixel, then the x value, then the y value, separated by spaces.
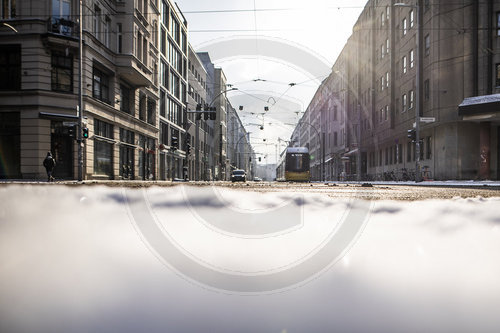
pixel 183 259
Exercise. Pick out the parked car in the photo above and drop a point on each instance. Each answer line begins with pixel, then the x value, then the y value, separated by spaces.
pixel 257 179
pixel 238 176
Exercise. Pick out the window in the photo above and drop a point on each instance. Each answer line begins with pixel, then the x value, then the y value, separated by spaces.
pixel 151 112
pixel 174 29
pixel 97 22
pixel 139 45
pixel 386 112
pixel 387 46
pixel 144 50
pixel 163 42
pixel 382 19
pixel 8 9
pixel 497 76
pixel 382 83
pixel 127 136
pixel 163 105
pixel 412 18
pixel 174 85
pixel 335 112
pixel 127 154
pixel 119 38
pixel 164 13
pixel 400 153
pixel 427 89
pixel 412 59
pixel 10 67
pixel 175 58
pixel 387 79
pixel 103 129
pixel 164 133
pixel 412 98
pixel 163 74
pixel 408 151
pixel 61 12
pixel 387 12
pixel 100 88
pixel 427 43
pixel 426 5
pixel 62 72
pixel 335 139
pixel 184 43
pixel 405 27
pixel 403 103
pixel 125 98
pixel 403 62
pixel 107 31
pixel 103 150
pixel 142 107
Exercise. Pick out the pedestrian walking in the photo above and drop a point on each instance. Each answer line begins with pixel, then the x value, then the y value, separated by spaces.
pixel 49 163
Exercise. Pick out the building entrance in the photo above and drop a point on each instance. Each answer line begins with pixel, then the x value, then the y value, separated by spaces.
pixel 61 146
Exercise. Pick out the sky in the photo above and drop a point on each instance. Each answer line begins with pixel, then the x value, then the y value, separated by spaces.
pixel 422 266
pixel 318 28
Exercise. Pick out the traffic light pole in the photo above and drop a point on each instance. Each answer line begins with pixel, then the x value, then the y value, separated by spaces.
pixel 80 97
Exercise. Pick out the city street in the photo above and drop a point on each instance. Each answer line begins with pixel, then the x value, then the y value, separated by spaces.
pixel 248 257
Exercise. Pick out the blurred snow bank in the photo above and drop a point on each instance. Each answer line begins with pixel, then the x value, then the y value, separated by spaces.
pixel 72 260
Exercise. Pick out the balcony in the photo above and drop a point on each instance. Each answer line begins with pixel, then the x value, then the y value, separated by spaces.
pixel 133 71
pixel 60 30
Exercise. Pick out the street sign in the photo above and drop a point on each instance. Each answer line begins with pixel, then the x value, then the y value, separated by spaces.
pixel 427 119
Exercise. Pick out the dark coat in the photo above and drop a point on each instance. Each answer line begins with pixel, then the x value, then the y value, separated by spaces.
pixel 49 163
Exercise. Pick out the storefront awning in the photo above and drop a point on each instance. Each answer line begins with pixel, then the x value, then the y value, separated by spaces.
pixel 329 159
pixel 479 105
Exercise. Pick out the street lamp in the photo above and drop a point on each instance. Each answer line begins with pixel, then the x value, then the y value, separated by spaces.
pixel 417 97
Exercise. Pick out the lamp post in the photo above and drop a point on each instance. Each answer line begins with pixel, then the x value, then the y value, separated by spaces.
pixel 417 94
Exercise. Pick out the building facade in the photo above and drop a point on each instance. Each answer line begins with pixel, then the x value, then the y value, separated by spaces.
pixel 456 61
pixel 134 89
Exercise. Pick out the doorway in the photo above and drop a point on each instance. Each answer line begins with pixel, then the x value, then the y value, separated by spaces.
pixel 61 146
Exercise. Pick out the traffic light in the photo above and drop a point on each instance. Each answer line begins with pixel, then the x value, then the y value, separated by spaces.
pixel 188 149
pixel 213 113
pixel 412 135
pixel 206 115
pixel 85 133
pixel 175 143
pixel 260 159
